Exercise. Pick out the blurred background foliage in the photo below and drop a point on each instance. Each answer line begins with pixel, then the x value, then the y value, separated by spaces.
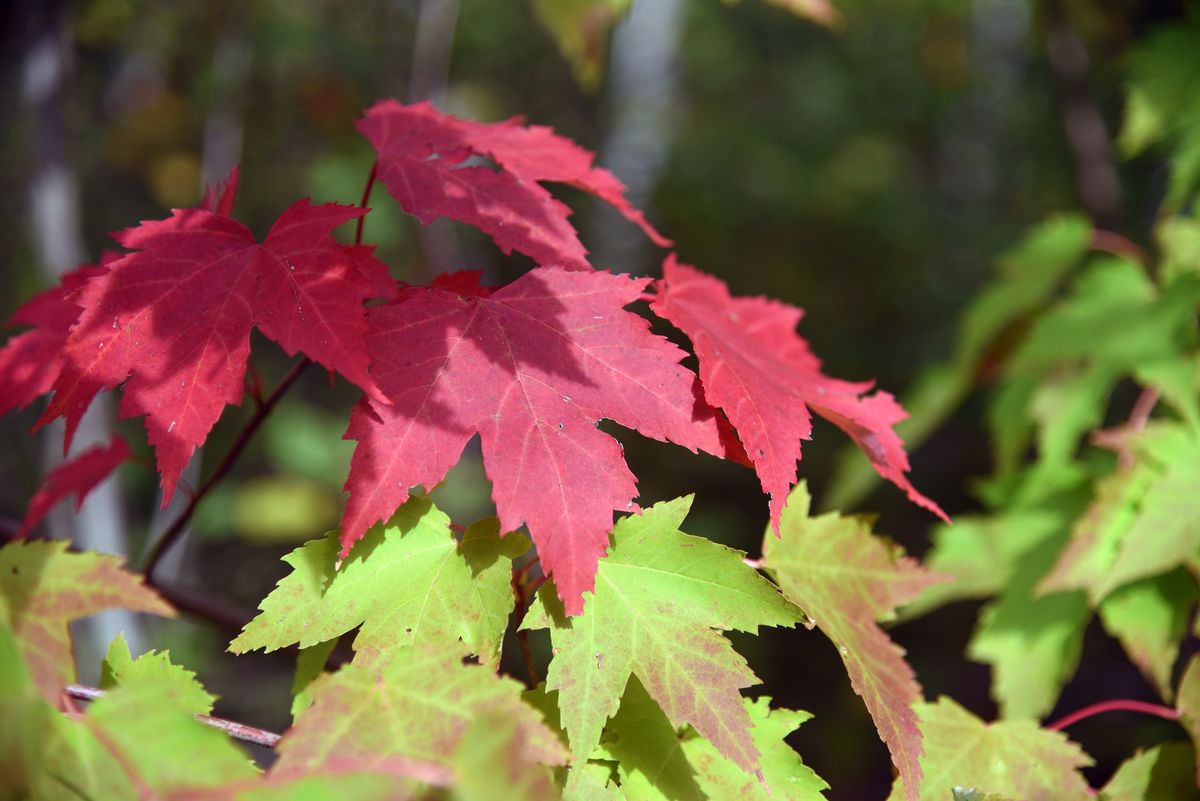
pixel 868 164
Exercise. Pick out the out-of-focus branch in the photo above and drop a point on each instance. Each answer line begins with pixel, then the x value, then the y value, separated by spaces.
pixel 172 534
pixel 1087 135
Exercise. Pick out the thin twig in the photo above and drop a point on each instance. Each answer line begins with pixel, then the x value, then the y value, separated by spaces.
pixel 216 610
pixel 1142 408
pixel 1086 134
pixel 366 195
pixel 1118 245
pixel 238 731
pixel 1121 705
pixel 177 528
pixel 521 590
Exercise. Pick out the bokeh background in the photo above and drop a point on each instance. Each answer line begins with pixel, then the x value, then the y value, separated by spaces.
pixel 869 170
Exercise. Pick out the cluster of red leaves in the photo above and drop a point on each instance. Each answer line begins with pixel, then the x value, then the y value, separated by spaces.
pixel 530 367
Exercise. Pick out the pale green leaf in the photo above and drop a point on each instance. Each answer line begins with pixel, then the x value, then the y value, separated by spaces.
pixel 1150 618
pixel 491 762
pixel 1031 642
pixel 581 29
pixel 659 596
pixel 1166 771
pixel 407 582
pixel 309 665
pixel 1187 702
pixel 120 669
pixel 1145 518
pixel 1014 759
pixel 651 762
pixel 846 579
pixel 785 775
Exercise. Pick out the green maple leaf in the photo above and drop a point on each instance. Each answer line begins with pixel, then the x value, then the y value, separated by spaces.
pixel 1144 520
pixel 1187 703
pixel 1150 618
pixel 120 669
pixel 407 582
pixel 43 587
pixel 1166 771
pixel 1031 641
pixel 491 762
pixel 660 594
pixel 786 774
pixel 417 705
pixel 1013 759
pixel 148 721
pixel 846 579
pixel 646 747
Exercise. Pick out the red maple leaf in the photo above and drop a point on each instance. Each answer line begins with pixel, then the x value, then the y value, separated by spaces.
pixel 531 368
pixel 423 162
pixel 762 374
pixel 173 319
pixel 30 361
pixel 79 476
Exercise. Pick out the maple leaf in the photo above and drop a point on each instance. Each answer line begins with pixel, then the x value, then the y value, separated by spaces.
pixel 43 587
pixel 646 748
pixel 762 374
pixel 1011 758
pixel 407 582
pixel 1150 619
pixel 785 773
pixel 422 162
pixel 659 596
pixel 1144 520
pixel 30 361
pixel 419 705
pixel 172 320
pixel 1187 703
pixel 846 579
pixel 1164 771
pixel 492 762
pixel 80 476
pixel 120 669
pixel 531 368
pixel 157 705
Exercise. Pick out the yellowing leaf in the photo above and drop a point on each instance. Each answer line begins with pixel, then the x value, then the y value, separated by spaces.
pixel 43 587
pixel 1014 759
pixel 418 705
pixel 407 582
pixel 659 596
pixel 846 579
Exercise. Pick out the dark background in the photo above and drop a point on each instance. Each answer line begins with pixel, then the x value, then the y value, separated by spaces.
pixel 869 174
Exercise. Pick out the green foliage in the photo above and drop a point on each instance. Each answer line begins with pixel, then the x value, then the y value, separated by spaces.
pixel 659 596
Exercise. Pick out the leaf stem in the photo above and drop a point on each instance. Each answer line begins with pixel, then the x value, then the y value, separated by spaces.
pixel 366 195
pixel 1142 408
pixel 176 529
pixel 238 731
pixel 1120 705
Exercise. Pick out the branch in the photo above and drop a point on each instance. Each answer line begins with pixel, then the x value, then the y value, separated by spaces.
pixel 221 613
pixel 238 731
pixel 1087 135
pixel 1121 705
pixel 173 533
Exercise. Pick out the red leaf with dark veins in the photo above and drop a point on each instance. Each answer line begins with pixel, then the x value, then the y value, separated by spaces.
pixel 172 320
pixel 79 476
pixel 762 374
pixel 422 162
pixel 30 361
pixel 531 367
